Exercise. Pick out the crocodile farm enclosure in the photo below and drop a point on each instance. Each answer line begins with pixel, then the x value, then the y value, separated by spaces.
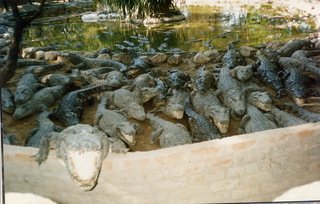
pixel 220 107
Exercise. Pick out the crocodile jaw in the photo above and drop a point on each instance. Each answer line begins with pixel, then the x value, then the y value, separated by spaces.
pixel 84 167
pixel 223 127
pixel 299 101
pixel 127 138
pixel 264 106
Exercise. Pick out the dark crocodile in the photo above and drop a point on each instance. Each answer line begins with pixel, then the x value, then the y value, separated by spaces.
pixel 296 44
pixel 128 102
pixel 208 104
pixel 90 63
pixel 232 58
pixel 81 148
pixel 116 125
pixel 305 56
pixel 297 85
pixel 300 65
pixel 177 79
pixel 284 119
pixel 56 79
pixel 255 121
pixel 200 126
pixel 41 69
pixel 203 80
pixel 169 134
pixel 259 98
pixel 267 71
pixel 300 112
pixel 160 99
pixel 26 62
pixel 40 101
pixel 174 105
pixel 7 100
pixel 71 107
pixel 231 93
pixel 26 88
pixel 45 127
pixel 137 66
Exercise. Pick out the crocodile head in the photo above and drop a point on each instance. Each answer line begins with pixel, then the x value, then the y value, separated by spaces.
pixel 127 133
pixel 174 110
pixel 69 118
pixel 244 72
pixel 236 101
pixel 136 111
pixel 22 94
pixel 8 104
pixel 148 93
pixel 261 100
pixel 300 92
pixel 115 78
pixel 274 83
pixel 220 117
pixel 23 110
pixel 177 79
pixel 82 148
pixel 203 81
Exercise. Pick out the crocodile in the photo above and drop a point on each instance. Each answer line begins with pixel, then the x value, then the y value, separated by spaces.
pixel 300 65
pixel 8 104
pixel 203 80
pixel 300 112
pixel 128 103
pixel 209 104
pixel 174 105
pixel 90 63
pixel 56 79
pixel 305 56
pixel 232 58
pixel 267 71
pixel 297 85
pixel 160 99
pixel 115 125
pixel 137 66
pixel 177 79
pixel 23 62
pixel 296 44
pixel 231 93
pixel 39 101
pixel 81 148
pixel 71 107
pixel 10 139
pixel 200 126
pixel 255 121
pixel 284 119
pixel 26 87
pixel 41 69
pixel 242 73
pixel 45 127
pixel 169 134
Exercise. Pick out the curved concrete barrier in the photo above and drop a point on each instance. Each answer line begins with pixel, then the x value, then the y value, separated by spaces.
pixel 246 168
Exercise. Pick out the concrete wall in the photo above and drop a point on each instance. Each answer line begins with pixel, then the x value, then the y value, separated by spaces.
pixel 245 168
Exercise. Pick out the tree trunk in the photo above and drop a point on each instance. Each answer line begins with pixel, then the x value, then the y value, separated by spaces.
pixel 8 71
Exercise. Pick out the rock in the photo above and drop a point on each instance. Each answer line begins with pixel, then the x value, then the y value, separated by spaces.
pixel 51 55
pixel 116 57
pixel 204 57
pixel 27 52
pixel 274 45
pixel 247 51
pixel 39 55
pixel 159 58
pixel 104 56
pixel 88 54
pixel 175 59
pixel 145 58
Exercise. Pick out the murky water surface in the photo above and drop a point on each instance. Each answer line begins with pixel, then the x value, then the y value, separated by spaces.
pixel 206 27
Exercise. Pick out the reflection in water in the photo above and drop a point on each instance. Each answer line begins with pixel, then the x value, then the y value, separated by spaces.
pixel 206 27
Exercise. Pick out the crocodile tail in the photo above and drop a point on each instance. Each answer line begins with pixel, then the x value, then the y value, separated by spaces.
pixel 54 66
pixel 98 89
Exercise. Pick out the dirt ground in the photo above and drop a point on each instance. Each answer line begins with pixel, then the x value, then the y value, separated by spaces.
pixel 21 127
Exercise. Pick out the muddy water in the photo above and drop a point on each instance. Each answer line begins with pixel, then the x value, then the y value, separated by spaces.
pixel 205 27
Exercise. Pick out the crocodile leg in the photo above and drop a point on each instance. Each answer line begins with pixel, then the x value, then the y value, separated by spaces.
pixel 242 125
pixel 155 135
pixel 46 143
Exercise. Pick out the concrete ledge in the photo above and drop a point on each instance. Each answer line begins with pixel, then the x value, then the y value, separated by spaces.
pixel 245 168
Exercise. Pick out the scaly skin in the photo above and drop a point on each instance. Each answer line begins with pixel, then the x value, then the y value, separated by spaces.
pixel 26 87
pixel 8 104
pixel 177 79
pixel 73 143
pixel 45 127
pixel 300 112
pixel 231 93
pixel 201 127
pixel 242 73
pixel 127 102
pixel 255 121
pixel 208 104
pixel 116 125
pixel 170 134
pixel 232 58
pixel 41 69
pixel 39 101
pixel 203 80
pixel 90 63
pixel 284 119
pixel 56 79
pixel 296 44
pixel 304 56
pixel 70 109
